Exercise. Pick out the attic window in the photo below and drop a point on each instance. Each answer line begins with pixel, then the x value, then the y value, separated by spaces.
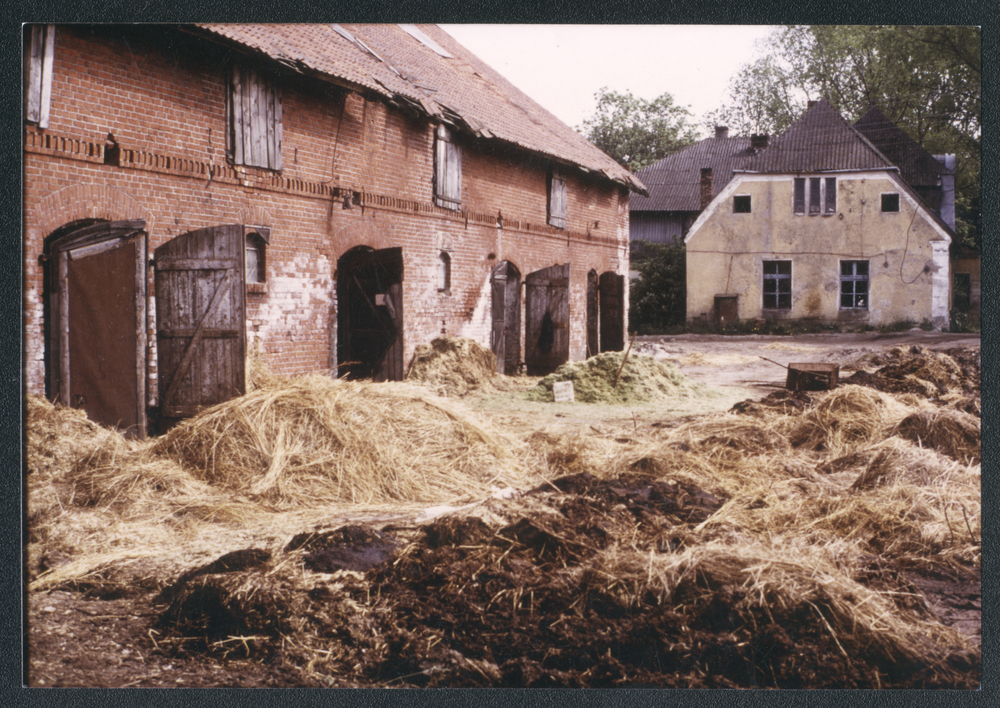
pixel 557 200
pixel 822 193
pixel 890 202
pixel 447 170
pixel 418 35
pixel 741 204
pixel 254 104
pixel 39 83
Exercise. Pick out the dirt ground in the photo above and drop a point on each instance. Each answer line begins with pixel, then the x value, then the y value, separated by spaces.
pixel 105 634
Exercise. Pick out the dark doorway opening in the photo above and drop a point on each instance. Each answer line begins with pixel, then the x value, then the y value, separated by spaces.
pixel 593 314
pixel 370 314
pixel 95 299
pixel 505 335
pixel 612 287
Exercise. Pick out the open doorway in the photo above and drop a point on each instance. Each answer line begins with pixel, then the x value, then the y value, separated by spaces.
pixel 95 294
pixel 370 314
pixel 505 335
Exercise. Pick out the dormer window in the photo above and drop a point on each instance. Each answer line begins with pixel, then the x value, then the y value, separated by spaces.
pixel 254 105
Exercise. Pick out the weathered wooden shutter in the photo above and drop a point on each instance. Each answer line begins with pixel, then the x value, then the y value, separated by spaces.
pixel 557 201
pixel 255 118
pixel 97 323
pixel 547 327
pixel 612 312
pixel 447 170
pixel 39 88
pixel 200 319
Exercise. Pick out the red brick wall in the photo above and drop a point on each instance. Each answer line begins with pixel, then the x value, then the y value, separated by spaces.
pixel 161 93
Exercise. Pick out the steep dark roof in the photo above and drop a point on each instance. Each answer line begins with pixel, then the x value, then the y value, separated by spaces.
pixel 916 166
pixel 674 183
pixel 397 64
pixel 821 140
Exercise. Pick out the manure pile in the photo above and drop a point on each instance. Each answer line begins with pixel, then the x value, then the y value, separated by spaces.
pixel 453 366
pixel 642 380
pixel 825 539
pixel 580 583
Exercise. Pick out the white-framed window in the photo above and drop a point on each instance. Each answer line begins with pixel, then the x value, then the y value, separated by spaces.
pixel 890 202
pixel 557 200
pixel 741 204
pixel 38 85
pixel 254 107
pixel 818 193
pixel 777 285
pixel 854 285
pixel 447 170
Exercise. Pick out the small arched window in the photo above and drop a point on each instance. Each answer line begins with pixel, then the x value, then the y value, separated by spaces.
pixel 444 272
pixel 255 257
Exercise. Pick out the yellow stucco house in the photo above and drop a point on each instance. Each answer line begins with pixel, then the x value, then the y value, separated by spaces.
pixel 819 225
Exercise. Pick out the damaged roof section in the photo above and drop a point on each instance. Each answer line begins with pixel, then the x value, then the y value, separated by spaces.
pixel 425 69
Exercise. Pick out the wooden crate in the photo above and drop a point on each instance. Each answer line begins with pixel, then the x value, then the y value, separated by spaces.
pixel 812 376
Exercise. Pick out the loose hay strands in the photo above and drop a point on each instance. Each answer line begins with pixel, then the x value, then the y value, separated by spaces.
pixel 314 439
pixel 953 432
pixel 774 580
pixel 454 366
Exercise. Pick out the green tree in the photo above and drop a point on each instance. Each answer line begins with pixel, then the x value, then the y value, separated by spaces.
pixel 658 297
pixel 636 132
pixel 926 79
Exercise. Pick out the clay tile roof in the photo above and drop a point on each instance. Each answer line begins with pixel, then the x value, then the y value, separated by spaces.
pixel 395 63
pixel 674 183
pixel 916 166
pixel 821 140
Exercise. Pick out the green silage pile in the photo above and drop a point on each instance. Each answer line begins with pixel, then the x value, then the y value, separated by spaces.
pixel 642 380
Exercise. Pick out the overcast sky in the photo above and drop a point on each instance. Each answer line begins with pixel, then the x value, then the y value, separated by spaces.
pixel 563 66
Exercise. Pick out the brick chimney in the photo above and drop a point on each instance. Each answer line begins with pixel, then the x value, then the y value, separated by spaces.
pixel 759 142
pixel 721 132
pixel 706 186
pixel 810 104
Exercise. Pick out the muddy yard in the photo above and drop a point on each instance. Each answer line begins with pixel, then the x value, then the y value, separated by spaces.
pixel 720 531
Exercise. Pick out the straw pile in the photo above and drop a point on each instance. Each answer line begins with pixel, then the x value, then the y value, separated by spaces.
pixel 315 439
pixel 453 366
pixel 642 380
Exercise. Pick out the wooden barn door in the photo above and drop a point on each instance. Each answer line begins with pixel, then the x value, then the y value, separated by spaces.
pixel 612 298
pixel 546 300
pixel 97 323
pixel 370 314
pixel 200 320
pixel 505 335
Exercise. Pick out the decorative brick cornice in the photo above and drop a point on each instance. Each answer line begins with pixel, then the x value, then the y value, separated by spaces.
pixel 67 147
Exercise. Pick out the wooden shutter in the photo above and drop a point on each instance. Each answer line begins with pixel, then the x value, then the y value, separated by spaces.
pixel 43 39
pixel 201 322
pixel 557 201
pixel 255 119
pixel 547 327
pixel 447 170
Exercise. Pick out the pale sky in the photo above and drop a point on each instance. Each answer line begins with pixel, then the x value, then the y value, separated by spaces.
pixel 563 66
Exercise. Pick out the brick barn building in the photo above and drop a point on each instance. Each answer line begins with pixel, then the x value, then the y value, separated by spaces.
pixel 338 194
